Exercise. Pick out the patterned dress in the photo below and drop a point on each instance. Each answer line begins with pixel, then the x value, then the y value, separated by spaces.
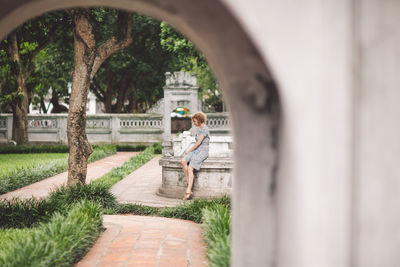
pixel 197 156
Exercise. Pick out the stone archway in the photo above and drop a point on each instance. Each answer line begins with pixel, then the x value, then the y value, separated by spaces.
pixel 249 91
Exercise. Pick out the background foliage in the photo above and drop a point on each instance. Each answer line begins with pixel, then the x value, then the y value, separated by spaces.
pixel 129 81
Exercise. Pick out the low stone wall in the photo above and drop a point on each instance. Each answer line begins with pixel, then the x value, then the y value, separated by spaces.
pixel 100 128
pixel 214 179
pixel 104 128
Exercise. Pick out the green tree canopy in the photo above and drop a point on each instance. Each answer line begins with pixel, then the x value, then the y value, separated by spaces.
pixel 132 80
pixel 18 54
pixel 188 58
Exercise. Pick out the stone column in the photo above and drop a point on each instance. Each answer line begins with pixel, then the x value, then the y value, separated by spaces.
pixel 9 127
pixel 62 128
pixel 179 86
pixel 91 103
pixel 167 112
pixel 115 127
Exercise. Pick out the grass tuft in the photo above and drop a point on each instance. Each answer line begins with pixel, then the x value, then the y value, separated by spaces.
pixel 135 209
pixel 216 224
pixel 18 213
pixel 60 242
pixel 65 196
pixel 193 210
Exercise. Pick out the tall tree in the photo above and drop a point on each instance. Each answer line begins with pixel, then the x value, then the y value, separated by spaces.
pixel 188 58
pixel 132 80
pixel 53 74
pixel 88 58
pixel 21 46
pixel 7 84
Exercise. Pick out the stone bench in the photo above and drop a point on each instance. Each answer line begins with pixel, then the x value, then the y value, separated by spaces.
pixel 214 179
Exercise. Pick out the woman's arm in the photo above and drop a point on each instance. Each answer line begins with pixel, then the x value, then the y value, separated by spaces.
pixel 201 138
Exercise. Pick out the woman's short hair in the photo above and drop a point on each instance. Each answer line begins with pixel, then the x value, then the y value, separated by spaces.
pixel 200 117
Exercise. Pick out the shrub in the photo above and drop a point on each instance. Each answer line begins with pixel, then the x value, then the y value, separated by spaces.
pixel 193 210
pixel 157 148
pixel 136 209
pixel 25 149
pixel 18 213
pixel 131 147
pixel 24 213
pixel 60 242
pixel 34 149
pixel 65 196
pixel 216 224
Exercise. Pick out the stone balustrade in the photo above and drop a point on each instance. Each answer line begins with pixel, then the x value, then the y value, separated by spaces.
pixel 100 128
pixel 104 128
pixel 218 123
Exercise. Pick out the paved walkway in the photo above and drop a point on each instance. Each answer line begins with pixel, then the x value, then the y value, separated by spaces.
pixel 96 169
pixel 141 186
pixel 147 241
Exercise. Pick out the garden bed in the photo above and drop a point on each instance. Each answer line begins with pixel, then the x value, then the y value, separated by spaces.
pixel 19 170
pixel 59 230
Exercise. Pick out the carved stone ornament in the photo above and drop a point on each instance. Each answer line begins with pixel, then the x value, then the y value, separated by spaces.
pixel 180 79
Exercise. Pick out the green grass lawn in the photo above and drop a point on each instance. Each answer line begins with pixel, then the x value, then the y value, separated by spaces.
pixel 18 170
pixel 10 162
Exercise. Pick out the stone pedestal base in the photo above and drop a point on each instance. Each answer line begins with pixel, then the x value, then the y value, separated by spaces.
pixel 214 179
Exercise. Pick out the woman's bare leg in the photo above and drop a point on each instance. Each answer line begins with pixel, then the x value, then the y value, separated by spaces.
pixel 191 177
pixel 185 169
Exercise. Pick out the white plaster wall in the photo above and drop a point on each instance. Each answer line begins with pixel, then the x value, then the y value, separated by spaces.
pixel 377 188
pixel 341 127
pixel 308 46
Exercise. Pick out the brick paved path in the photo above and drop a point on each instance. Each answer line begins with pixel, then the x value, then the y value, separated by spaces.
pixel 95 170
pixel 147 241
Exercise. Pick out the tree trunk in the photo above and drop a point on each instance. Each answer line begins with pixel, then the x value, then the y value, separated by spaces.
pixel 131 106
pixel 123 88
pixel 108 96
pixel 20 123
pixel 57 108
pixel 20 104
pixel 108 102
pixel 79 147
pixel 43 105
pixel 133 97
pixel 88 59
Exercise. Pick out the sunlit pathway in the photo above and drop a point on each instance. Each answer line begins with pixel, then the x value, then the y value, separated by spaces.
pixel 141 186
pixel 95 170
pixel 147 241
